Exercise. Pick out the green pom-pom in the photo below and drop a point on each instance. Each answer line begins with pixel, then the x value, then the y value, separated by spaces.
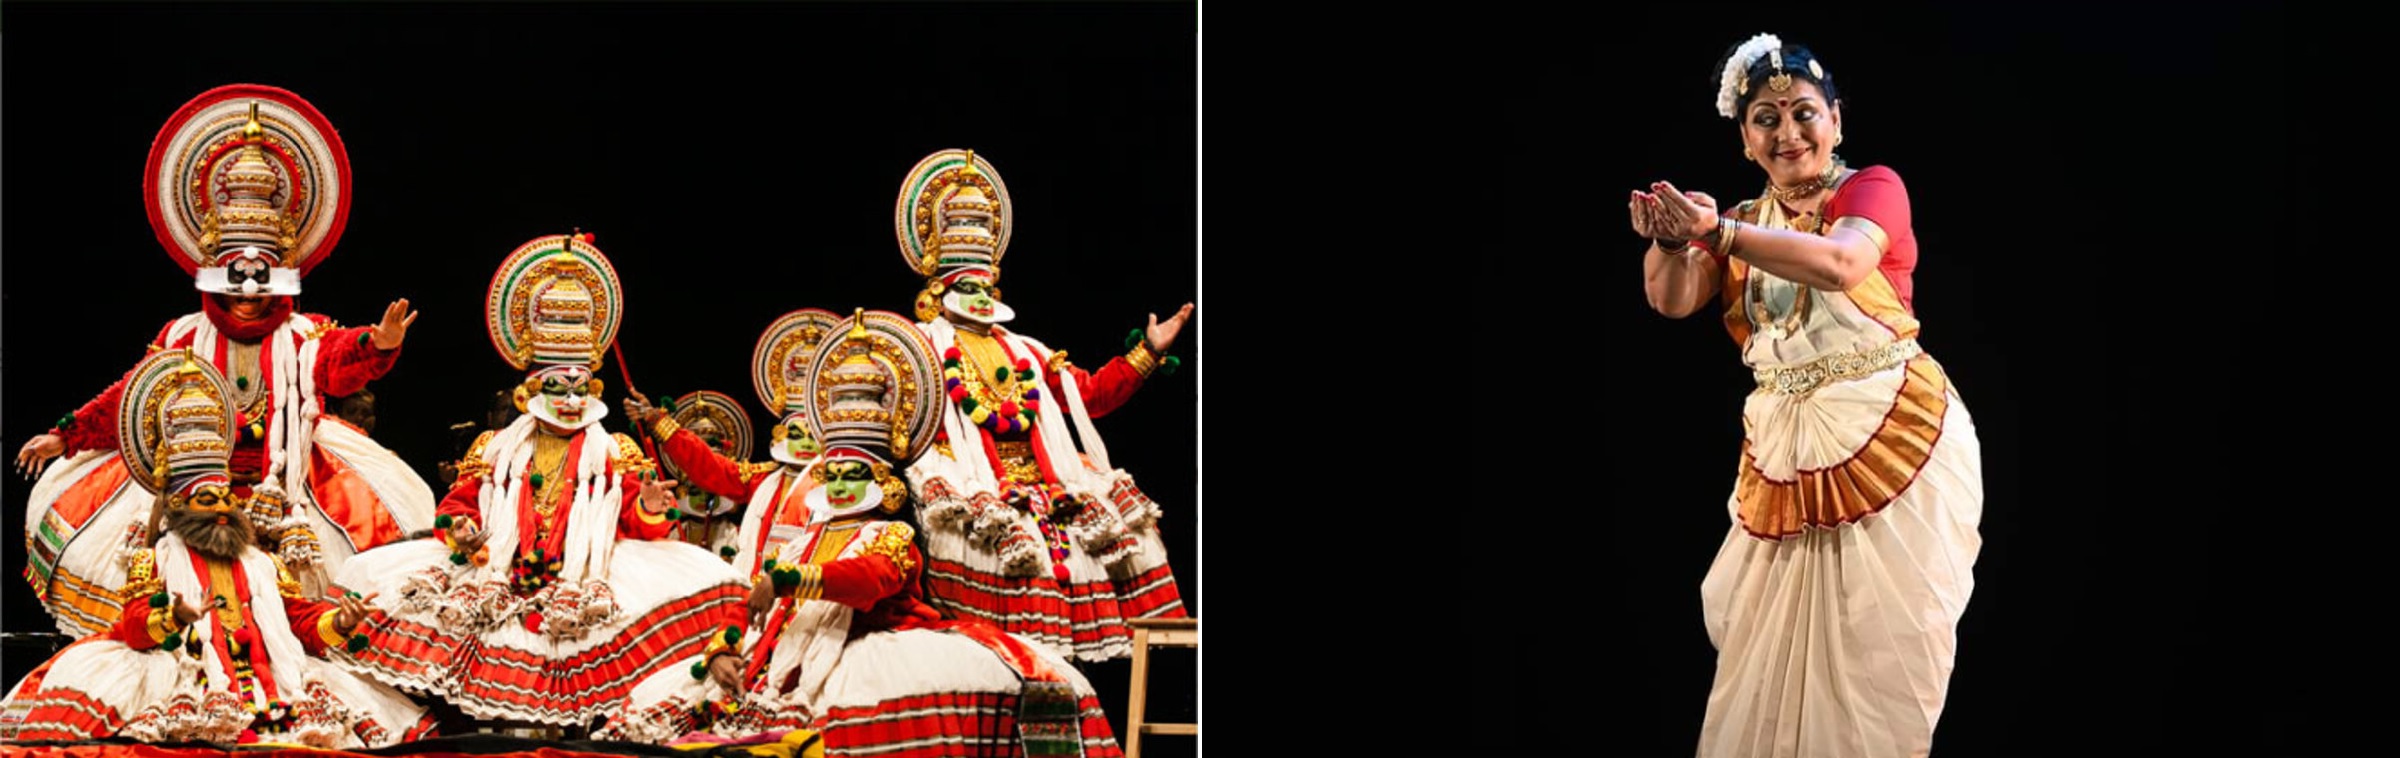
pixel 1133 337
pixel 699 671
pixel 674 514
pixel 727 551
pixel 733 635
pixel 950 363
pixel 65 421
pixel 158 600
pixel 666 404
pixel 442 521
pixel 173 641
pixel 241 383
pixel 358 642
pixel 967 405
pixel 1167 367
pixel 1024 375
pixel 537 555
pixel 770 565
pixel 1000 374
pixel 458 558
pixel 536 481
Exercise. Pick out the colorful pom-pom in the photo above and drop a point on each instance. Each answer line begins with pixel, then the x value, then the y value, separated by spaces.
pixel 535 480
pixel 441 521
pixel 64 421
pixel 158 600
pixel 1033 393
pixel 173 641
pixel 358 642
pixel 241 383
pixel 1167 367
pixel 1133 337
pixel 970 405
pixel 674 514
pixel 733 635
pixel 459 559
pixel 951 354
pixel 1024 365
pixel 1008 408
pixel 726 551
pixel 1000 374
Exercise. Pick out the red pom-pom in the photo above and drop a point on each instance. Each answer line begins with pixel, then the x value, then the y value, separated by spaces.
pixel 1033 406
pixel 533 622
pixel 950 354
pixel 1008 408
pixel 957 394
pixel 590 238
pixel 1024 364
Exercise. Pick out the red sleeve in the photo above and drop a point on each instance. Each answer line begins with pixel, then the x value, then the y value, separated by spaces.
pixel 863 580
pixel 464 500
pixel 1104 390
pixel 1876 194
pixel 705 468
pixel 633 523
pixel 346 360
pixel 311 622
pixel 133 625
pixel 94 426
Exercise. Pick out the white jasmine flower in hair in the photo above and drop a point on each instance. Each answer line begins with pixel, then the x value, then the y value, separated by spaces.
pixel 1729 86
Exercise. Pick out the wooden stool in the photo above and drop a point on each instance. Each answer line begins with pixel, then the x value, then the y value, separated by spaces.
pixel 1148 633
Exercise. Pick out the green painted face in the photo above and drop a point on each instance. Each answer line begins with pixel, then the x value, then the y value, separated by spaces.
pixel 977 296
pixel 797 442
pixel 846 482
pixel 566 397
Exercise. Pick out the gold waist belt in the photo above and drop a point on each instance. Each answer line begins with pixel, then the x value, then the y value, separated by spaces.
pixel 1838 367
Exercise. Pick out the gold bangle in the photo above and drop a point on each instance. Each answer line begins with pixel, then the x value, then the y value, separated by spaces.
pixel 1725 231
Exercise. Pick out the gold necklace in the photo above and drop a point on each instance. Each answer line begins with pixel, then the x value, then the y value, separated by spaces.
pixel 981 353
pixel 549 459
pixel 1810 188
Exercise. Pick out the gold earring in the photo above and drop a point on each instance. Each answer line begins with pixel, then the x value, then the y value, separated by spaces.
pixel 1747 156
pixel 1837 140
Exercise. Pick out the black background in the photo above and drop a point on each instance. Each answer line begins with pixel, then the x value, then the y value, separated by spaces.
pixel 735 162
pixel 2113 275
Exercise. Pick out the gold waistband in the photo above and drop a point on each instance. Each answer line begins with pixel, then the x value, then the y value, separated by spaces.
pixel 1838 367
pixel 1014 448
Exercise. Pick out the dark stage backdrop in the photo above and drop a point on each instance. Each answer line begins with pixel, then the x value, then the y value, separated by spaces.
pixel 2073 173
pixel 736 162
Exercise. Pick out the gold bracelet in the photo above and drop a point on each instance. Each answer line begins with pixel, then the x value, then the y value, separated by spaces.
pixel 1725 229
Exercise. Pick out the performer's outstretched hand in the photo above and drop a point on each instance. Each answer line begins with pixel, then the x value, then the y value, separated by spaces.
pixel 726 669
pixel 1686 217
pixel 658 493
pixel 639 410
pixel 387 335
pixel 186 613
pixel 354 610
pixel 1162 336
pixel 762 598
pixel 37 453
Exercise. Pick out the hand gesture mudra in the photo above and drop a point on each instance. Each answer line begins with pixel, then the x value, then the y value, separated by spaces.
pixel 638 408
pixel 1669 215
pixel 388 333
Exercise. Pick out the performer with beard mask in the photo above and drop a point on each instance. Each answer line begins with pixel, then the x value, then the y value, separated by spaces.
pixel 248 188
pixel 219 646
pixel 552 588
